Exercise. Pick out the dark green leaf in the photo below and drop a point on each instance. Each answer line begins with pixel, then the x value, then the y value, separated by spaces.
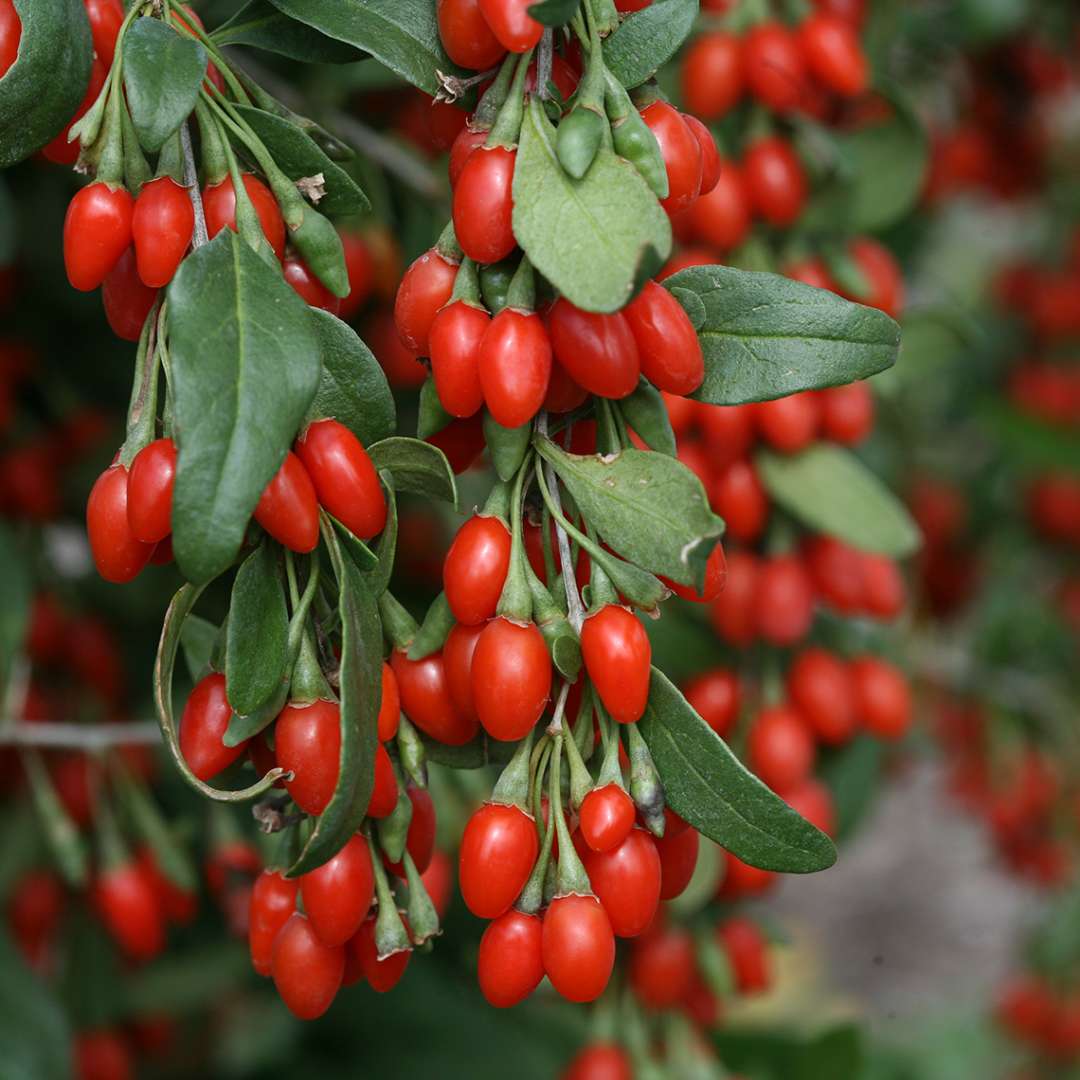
pixel 649 508
pixel 360 694
pixel 260 24
pixel 707 785
pixel 438 622
pixel 245 366
pixel 35 1040
pixel 298 155
pixel 554 12
pixel 593 238
pixel 353 389
pixel 401 34
pixel 42 89
pixel 15 603
pixel 362 556
pixel 258 626
pixel 197 639
pixel 644 410
pixel 765 336
pixel 378 579
pixel 693 305
pixel 829 489
pixel 648 39
pixel 163 70
pixel 416 466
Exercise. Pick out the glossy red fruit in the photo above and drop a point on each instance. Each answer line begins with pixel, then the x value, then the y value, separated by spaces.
pixel 884 594
pixel 1026 1009
pixel 288 508
pixel 360 266
pixel 882 273
pixel 420 838
pixel 384 792
pixel 820 686
pixel 681 153
pixel 601 1061
pixel 831 48
pixel 742 880
pixel 475 569
pixel 484 202
pixel 10 35
pixel 712 74
pixel 662 967
pixel 512 24
pixel 102 1055
pixel 597 351
pixel 813 800
pixel 671 357
pixel 780 748
pixel 389 705
pixel 783 600
pixel 716 696
pixel 118 555
pixel 308 287
pixel 162 226
pixel 125 900
pixel 710 155
pixel 678 853
pixel 882 697
pixel 715 575
pixel 273 900
pixel 468 140
pixel 773 66
pixel 606 817
pixel 728 431
pixel 721 217
pixel 847 413
pixel 454 344
pixel 498 851
pixel 381 975
pixel 457 659
pixel 106 17
pixel 837 572
pixel 150 491
pixel 511 678
pixel 775 180
pixel 812 271
pixel 578 947
pixel 425 288
pixel 306 972
pixel 617 657
pixel 126 300
pixel 344 477
pixel 510 965
pixel 202 729
pixel 563 393
pixel 734 612
pixel 466 36
pixel 426 701
pixel 515 366
pixel 627 880
pixel 747 953
pixel 219 203
pixel 338 894
pixel 737 494
pixel 307 743
pixel 97 232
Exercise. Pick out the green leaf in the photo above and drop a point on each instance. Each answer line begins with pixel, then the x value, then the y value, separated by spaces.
pixel 594 239
pixel 507 446
pixel 416 466
pixel 15 603
pixel 298 155
pixel 432 417
pixel 644 410
pixel 648 39
pixel 437 624
pixel 693 305
pixel 35 1040
pixel 650 508
pixel 361 695
pixel 197 639
pixel 401 34
pixel 765 336
pixel 830 490
pixel 163 70
pixel 42 89
pixel 707 785
pixel 255 642
pixel 259 24
pixel 854 776
pixel 362 556
pixel 245 366
pixel 554 12
pixel 353 389
pixel 1027 441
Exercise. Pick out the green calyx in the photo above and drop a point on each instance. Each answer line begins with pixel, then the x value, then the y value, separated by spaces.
pixel 633 139
pixel 571 878
pixel 421 913
pixel 320 245
pixel 394 829
pixel 512 787
pixel 494 97
pixel 390 934
pixel 447 246
pixel 645 787
pixel 507 126
pixel 398 625
pixel 411 752
pixel 521 293
pixel 515 603
pixel 467 285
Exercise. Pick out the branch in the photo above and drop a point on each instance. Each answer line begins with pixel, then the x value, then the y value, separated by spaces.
pixel 191 179
pixel 88 737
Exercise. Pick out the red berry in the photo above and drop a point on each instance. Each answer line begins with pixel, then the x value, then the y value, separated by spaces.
pixel 125 900
pixel 784 600
pixel 420 839
pixel 10 35
pixel 515 365
pixel 882 697
pixel 219 204
pixel 288 508
pixel 466 36
pixel 498 851
pixel 710 155
pixel 389 705
pixel 601 1061
pixel 712 74
pixel 775 180
pixel 338 894
pixel 747 953
pixel 627 880
pixel 618 659
pixel 202 729
pixel 598 351
pixel 511 678
pixel 734 612
pixel 118 555
pixel 424 290
pixel 307 743
pixel 742 880
pixel 382 975
pixel 813 800
pixel 606 816
pixel 721 217
pixel 425 699
pixel 837 572
pixel 847 413
pixel 832 51
pixel 512 24
pixel 681 153
pixel 578 947
pixel 97 231
pixel 308 287
pixel 728 431
pixel 716 696
pixel 483 204
pixel 678 853
pixel 475 569
pixel 662 967
pixel 671 357
pixel 384 792
pixel 780 748
pixel 510 965
pixel 360 266
pixel 126 300
pixel 468 140
pixel 819 685
pixel 883 587
pixel 102 1055
pixel 715 574
pixel 457 659
pixel 454 344
pixel 882 273
pixel 162 226
pixel 737 494
pixel 273 900
pixel 106 17
pixel 306 972
pixel 773 66
pixel 150 491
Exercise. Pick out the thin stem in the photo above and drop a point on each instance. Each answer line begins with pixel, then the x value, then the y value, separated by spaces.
pixel 88 737
pixel 543 64
pixel 556 725
pixel 191 180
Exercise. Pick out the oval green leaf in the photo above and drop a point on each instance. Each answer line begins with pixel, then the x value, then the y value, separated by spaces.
pixel 262 26
pixel 830 490
pixel 707 785
pixel 648 39
pixel 765 336
pixel 416 466
pixel 245 366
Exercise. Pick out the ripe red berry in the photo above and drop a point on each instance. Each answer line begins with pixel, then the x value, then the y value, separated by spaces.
pixel 512 24
pixel 498 851
pixel 426 701
pixel 780 748
pixel 775 180
pixel 219 204
pixel 389 705
pixel 671 357
pixel 662 966
pixel 832 51
pixel 606 817
pixel 466 36
pixel 288 508
pixel 162 226
pixel 734 612
pixel 681 152
pixel 384 792
pixel 484 203
pixel 837 572
pixel 737 494
pixel 511 678
pixel 712 74
pixel 813 800
pixel 883 586
pixel 882 697
pixel 118 555
pixel 882 273
pixel 10 35
pixel 773 66
pixel 308 287
pixel 150 491
pixel 273 900
pixel 475 569
pixel 510 965
pixel 126 300
pixel 710 155
pixel 716 696
pixel 338 894
pixel 715 575
pixel 307 743
pixel 344 477
pixel 742 880
pixel 457 659
pixel 202 729
pixel 618 656
pixel 515 366
pixel 420 839
pixel 789 423
pixel 578 947
pixel 306 972
pixel 125 900
pixel 597 351
pixel 97 231
pixel 381 975
pixel 819 685
pixel 678 853
pixel 106 17
pixel 747 953
pixel 721 217
pixel 847 413
pixel 425 288
pixel 454 344
pixel 103 1054
pixel 360 266
pixel 627 880
pixel 783 600
pixel 602 1061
